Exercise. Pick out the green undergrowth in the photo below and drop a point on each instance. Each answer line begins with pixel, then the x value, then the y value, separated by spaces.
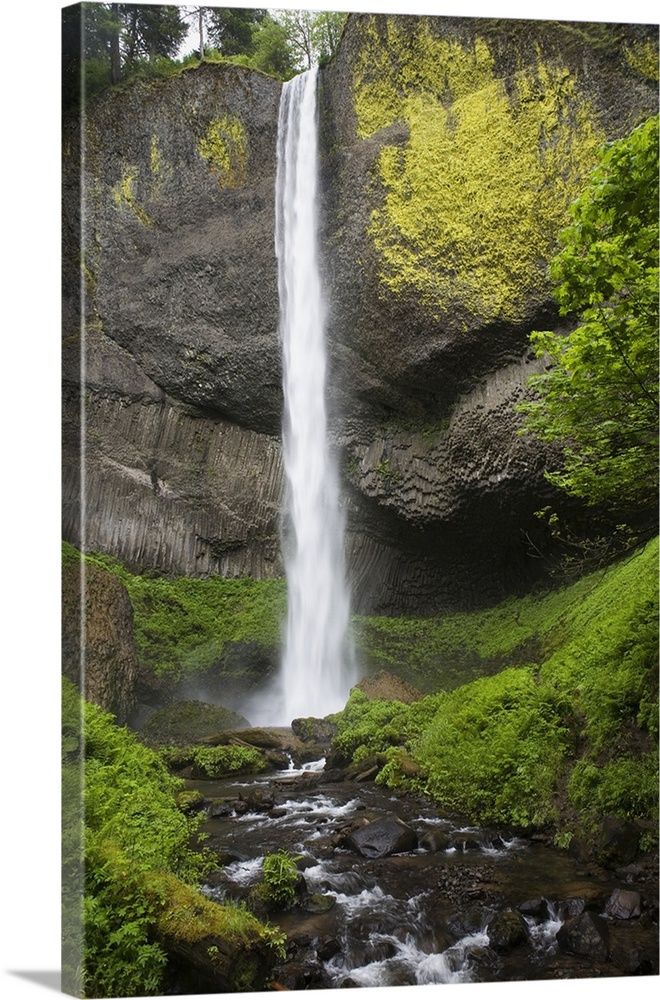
pixel 447 650
pixel 183 625
pixel 140 872
pixel 557 742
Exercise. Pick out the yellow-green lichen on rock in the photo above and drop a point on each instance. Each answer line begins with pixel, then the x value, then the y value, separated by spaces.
pixel 225 149
pixel 643 57
pixel 472 204
pixel 123 194
pixel 160 169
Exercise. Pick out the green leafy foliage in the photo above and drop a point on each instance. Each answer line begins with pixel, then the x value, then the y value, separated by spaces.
pixel 626 787
pixel 278 888
pixel 139 870
pixel 600 395
pixel 217 762
pixel 368 726
pixel 133 832
pixel 494 748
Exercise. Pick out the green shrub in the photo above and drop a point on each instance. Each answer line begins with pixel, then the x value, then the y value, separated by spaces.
pixel 626 786
pixel 217 762
pixel 494 749
pixel 501 747
pixel 139 870
pixel 369 726
pixel 133 831
pixel 278 888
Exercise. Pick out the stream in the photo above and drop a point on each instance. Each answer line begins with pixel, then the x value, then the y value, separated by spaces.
pixel 422 916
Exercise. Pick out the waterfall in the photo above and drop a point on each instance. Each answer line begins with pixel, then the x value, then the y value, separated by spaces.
pixel 317 668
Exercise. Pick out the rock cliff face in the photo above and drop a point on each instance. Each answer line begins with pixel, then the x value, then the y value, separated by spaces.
pixel 451 151
pixel 110 669
pixel 182 393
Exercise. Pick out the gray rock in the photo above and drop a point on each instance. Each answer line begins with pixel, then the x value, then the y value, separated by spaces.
pixel 182 366
pixel 383 837
pixel 624 904
pixel 434 840
pixel 618 842
pixel 585 934
pixel 507 930
pixel 312 730
pixel 111 668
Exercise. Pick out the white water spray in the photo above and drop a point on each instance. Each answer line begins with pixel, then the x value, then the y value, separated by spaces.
pixel 317 669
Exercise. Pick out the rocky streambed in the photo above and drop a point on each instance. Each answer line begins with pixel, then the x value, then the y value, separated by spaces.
pixel 392 891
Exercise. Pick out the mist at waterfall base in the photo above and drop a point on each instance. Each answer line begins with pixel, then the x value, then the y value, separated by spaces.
pixel 318 665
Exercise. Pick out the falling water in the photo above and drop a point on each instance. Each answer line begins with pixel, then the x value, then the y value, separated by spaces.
pixel 318 663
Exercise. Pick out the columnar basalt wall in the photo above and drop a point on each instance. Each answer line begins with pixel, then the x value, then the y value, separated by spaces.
pixel 181 395
pixel 451 150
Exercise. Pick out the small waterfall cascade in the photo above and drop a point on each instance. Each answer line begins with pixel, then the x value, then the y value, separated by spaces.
pixel 318 663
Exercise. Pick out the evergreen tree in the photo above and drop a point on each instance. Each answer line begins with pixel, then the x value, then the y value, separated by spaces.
pixel 152 31
pixel 232 28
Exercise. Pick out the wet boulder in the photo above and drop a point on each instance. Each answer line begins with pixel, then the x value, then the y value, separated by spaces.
pixel 319 902
pixel 632 961
pixel 221 807
pixel 190 801
pixel 507 930
pixel 578 850
pixel 386 836
pixel 567 909
pixel 464 842
pixel 585 934
pixel 618 842
pixel 434 841
pixel 259 800
pixel 311 730
pixel 539 908
pixel 467 920
pixel 624 904
pixel 327 948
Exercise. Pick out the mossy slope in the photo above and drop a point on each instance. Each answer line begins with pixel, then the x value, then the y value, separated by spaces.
pixel 141 905
pixel 184 625
pixel 562 741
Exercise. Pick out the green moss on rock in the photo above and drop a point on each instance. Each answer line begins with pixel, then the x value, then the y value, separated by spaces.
pixel 187 722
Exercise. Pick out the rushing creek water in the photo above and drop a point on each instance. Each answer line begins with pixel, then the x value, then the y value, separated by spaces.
pixel 420 917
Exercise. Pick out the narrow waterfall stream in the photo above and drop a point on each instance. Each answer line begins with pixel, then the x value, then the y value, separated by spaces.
pixel 317 664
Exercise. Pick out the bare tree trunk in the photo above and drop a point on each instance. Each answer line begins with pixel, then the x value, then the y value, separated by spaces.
pixel 201 32
pixel 115 55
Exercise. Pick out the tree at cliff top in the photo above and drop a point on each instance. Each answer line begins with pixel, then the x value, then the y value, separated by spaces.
pixel 599 397
pixel 232 28
pixel 102 43
pixel 150 31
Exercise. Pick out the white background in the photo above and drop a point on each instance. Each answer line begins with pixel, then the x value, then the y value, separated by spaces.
pixel 30 492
